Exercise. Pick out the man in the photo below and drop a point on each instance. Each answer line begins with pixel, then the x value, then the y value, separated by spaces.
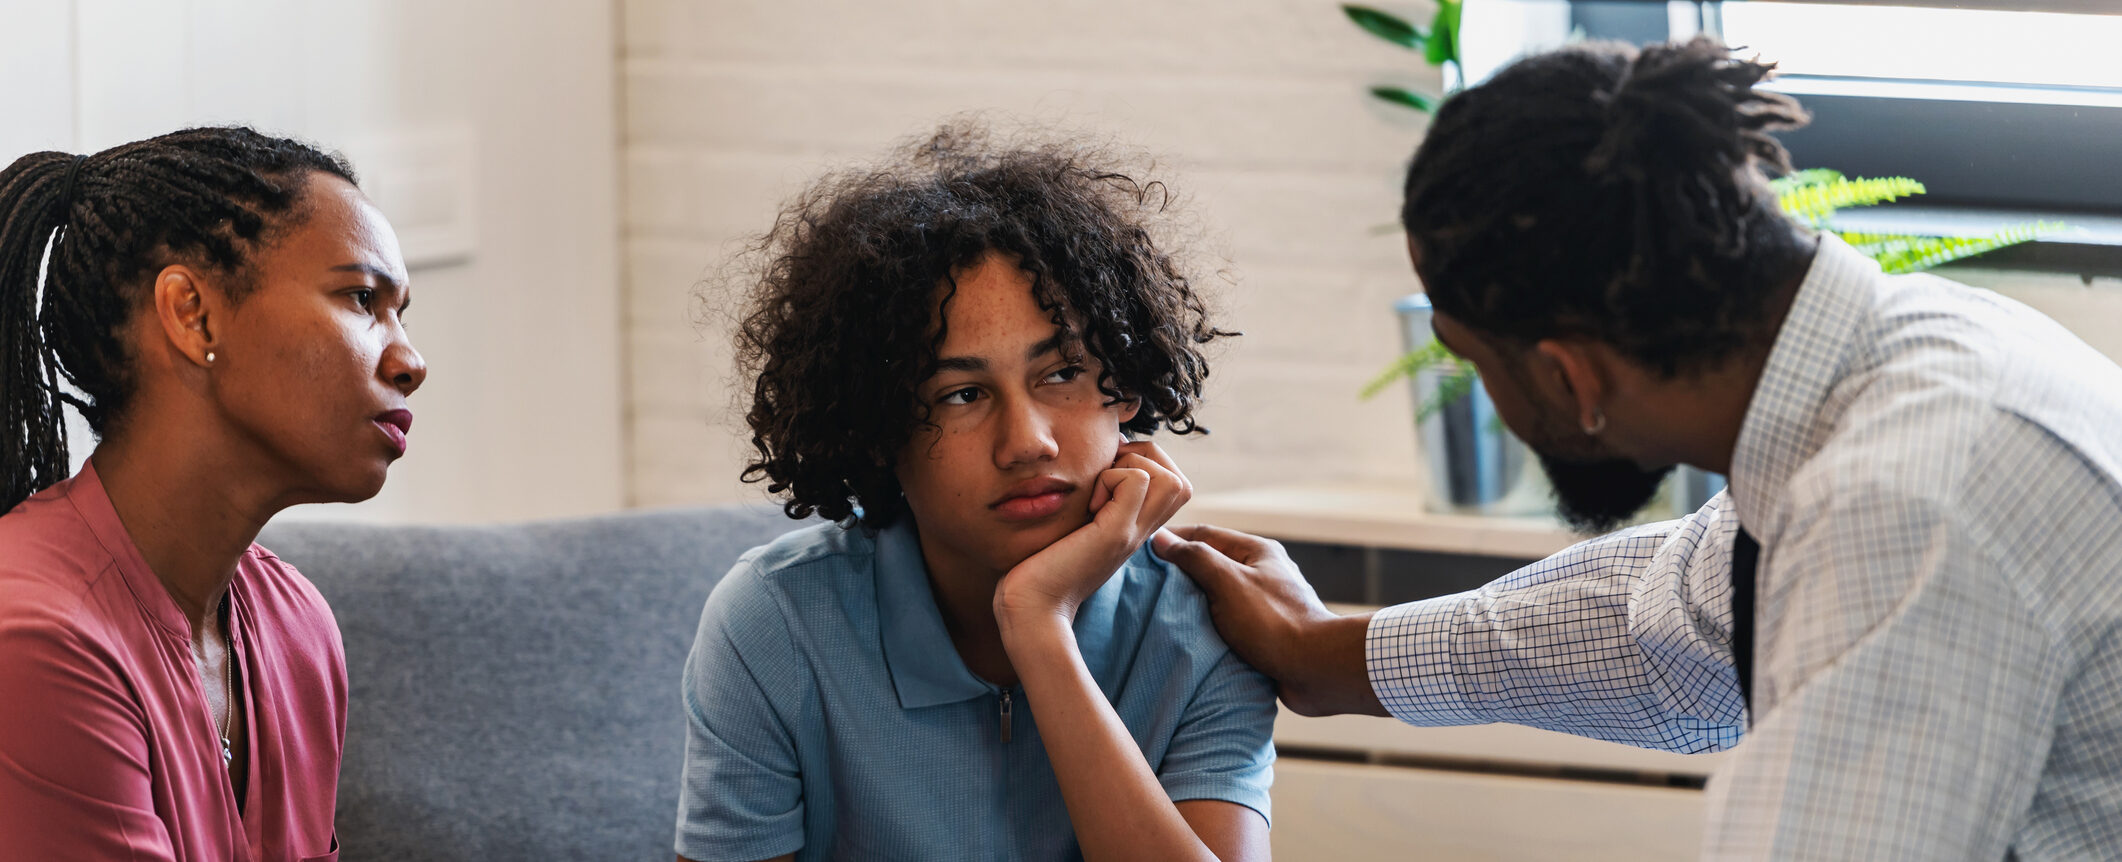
pixel 1908 601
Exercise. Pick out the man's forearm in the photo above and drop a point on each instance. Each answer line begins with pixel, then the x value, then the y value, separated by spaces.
pixel 1331 676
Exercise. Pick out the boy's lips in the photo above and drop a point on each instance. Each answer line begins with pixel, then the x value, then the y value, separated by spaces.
pixel 1033 499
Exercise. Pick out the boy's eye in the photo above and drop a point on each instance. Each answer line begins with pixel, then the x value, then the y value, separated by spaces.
pixel 1066 374
pixel 960 396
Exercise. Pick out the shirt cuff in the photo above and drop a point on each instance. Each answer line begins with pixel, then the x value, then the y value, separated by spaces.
pixel 1408 653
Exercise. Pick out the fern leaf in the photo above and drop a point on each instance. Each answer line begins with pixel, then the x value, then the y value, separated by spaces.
pixel 1803 179
pixel 1879 246
pixel 1449 390
pixel 1904 254
pixel 1460 382
pixel 1409 364
pixel 1815 203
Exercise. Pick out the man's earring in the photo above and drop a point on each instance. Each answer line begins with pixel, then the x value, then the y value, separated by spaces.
pixel 209 357
pixel 1597 426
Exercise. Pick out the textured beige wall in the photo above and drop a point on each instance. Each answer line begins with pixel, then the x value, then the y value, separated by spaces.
pixel 1255 107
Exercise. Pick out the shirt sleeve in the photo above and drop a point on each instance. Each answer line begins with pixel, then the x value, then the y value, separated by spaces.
pixel 1625 638
pixel 74 754
pixel 1224 745
pixel 741 794
pixel 1913 696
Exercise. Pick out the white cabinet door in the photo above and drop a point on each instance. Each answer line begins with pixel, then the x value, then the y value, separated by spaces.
pixel 1340 811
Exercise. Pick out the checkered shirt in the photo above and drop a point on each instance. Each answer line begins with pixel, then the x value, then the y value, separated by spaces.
pixel 1934 474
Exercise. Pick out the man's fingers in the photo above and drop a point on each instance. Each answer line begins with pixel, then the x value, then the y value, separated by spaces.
pixel 1201 561
pixel 1244 548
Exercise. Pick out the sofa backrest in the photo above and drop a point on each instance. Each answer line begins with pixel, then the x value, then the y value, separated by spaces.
pixel 514 690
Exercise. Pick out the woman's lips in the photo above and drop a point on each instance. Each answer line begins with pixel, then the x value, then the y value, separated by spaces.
pixel 395 424
pixel 395 437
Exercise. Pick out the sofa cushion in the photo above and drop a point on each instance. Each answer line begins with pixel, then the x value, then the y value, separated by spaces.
pixel 515 689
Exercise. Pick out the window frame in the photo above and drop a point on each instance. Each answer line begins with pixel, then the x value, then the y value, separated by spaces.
pixel 2017 153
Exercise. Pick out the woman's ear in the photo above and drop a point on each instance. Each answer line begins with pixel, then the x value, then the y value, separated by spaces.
pixel 186 312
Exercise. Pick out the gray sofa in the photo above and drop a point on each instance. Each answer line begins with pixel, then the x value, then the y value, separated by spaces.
pixel 514 689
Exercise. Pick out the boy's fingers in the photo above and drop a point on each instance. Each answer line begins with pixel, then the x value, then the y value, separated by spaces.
pixel 1157 473
pixel 1151 451
pixel 1127 488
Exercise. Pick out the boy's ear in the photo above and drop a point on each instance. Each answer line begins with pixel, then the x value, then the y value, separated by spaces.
pixel 1129 409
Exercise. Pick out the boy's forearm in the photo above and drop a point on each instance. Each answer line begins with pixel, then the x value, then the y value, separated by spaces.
pixel 1119 809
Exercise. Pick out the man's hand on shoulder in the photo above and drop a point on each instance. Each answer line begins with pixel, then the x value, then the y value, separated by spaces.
pixel 1270 616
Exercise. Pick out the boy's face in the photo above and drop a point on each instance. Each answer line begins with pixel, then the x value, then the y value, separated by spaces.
pixel 1020 433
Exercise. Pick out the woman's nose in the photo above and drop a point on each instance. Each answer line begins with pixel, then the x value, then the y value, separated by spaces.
pixel 403 366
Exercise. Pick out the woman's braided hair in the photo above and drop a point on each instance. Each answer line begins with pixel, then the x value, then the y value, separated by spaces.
pixel 98 226
pixel 1611 193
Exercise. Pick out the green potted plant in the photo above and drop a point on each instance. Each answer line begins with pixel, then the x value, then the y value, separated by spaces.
pixel 1438 44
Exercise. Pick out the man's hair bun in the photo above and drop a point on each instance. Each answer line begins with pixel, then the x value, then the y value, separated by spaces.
pixel 1608 191
pixel 1687 107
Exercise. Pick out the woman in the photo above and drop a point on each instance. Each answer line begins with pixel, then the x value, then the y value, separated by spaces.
pixel 980 660
pixel 224 308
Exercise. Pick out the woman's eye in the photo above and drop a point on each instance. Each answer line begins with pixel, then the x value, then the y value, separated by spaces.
pixel 364 298
pixel 960 396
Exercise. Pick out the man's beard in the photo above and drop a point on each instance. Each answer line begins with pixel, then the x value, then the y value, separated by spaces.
pixel 1599 495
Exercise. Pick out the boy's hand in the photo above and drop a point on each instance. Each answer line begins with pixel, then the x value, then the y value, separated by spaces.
pixel 1130 501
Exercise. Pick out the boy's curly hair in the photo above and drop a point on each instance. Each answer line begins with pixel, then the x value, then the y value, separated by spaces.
pixel 843 322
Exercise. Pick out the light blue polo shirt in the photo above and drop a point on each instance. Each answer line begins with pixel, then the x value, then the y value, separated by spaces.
pixel 829 715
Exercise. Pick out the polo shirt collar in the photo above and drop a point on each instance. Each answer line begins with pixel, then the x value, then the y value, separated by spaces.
pixel 1814 349
pixel 924 664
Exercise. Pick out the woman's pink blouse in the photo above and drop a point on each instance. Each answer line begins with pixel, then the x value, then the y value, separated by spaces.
pixel 107 747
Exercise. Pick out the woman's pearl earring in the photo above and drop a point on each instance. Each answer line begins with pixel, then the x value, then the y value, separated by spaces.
pixel 209 357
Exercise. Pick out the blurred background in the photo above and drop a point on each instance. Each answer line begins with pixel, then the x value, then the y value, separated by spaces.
pixel 566 175
pixel 570 178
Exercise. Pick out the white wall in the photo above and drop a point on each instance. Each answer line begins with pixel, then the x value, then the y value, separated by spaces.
pixel 1257 107
pixel 485 129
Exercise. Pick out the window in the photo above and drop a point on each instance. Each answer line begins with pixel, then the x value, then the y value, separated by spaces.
pixel 2008 111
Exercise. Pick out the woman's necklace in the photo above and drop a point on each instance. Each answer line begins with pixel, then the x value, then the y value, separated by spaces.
pixel 228 699
pixel 228 684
